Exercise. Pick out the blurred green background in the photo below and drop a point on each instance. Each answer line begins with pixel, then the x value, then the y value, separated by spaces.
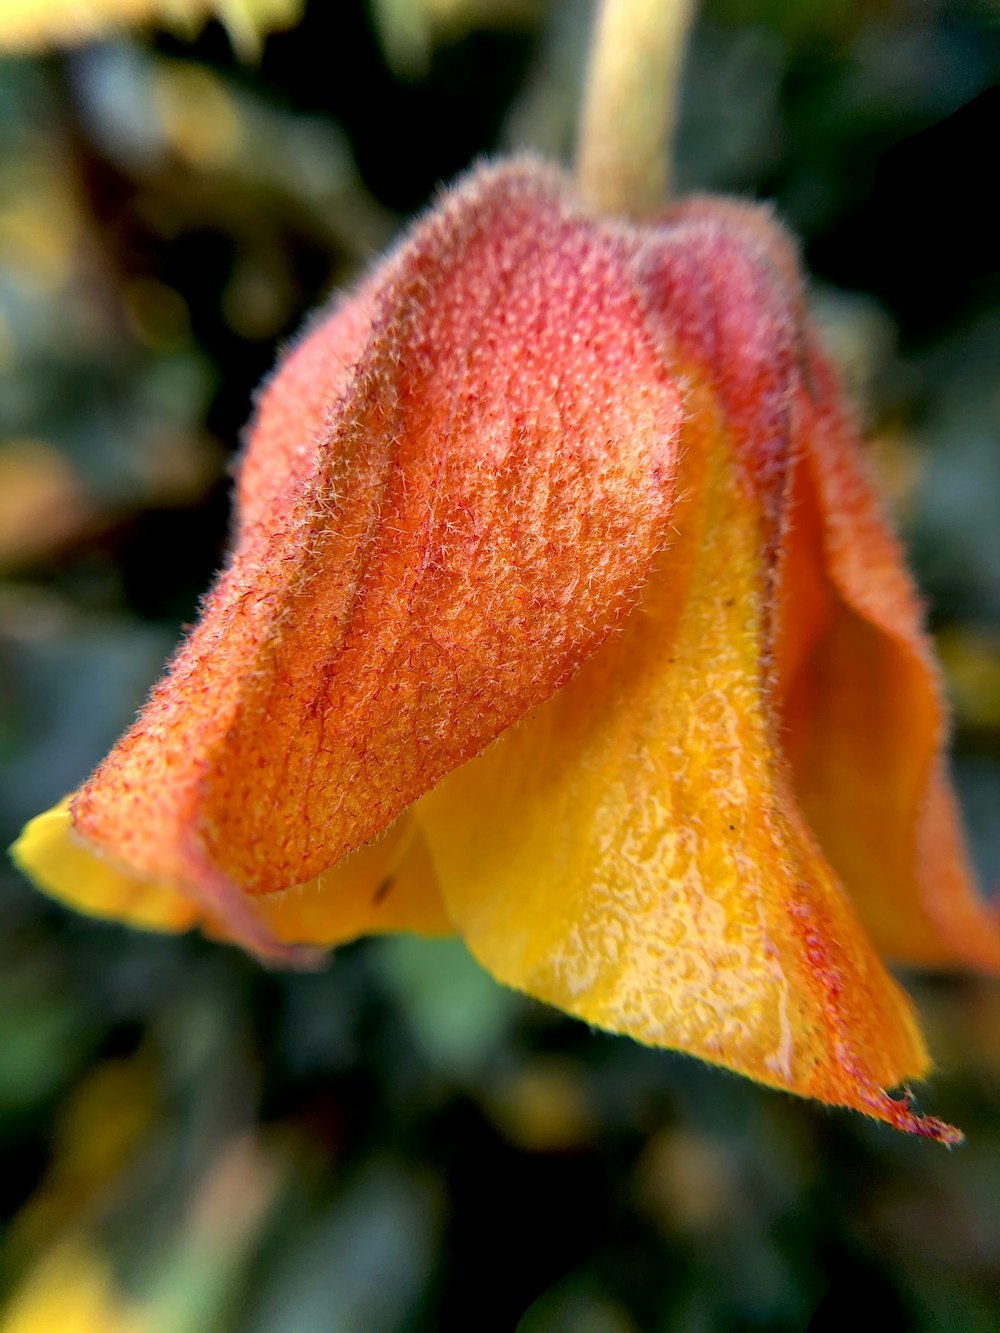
pixel 396 1144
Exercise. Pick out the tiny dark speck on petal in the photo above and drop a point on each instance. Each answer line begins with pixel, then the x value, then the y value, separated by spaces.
pixel 383 890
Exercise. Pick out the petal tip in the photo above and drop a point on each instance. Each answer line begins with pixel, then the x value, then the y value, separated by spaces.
pixel 899 1113
pixel 64 866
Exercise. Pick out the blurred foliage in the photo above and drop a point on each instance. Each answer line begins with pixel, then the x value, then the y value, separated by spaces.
pixel 31 25
pixel 396 1144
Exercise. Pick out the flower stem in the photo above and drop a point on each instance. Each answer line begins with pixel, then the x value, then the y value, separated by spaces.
pixel 630 104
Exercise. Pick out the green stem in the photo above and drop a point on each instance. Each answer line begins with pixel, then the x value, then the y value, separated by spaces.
pixel 630 104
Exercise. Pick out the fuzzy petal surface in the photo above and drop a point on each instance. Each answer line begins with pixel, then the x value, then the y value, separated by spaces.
pixel 387 886
pixel 560 611
pixel 633 853
pixel 858 699
pixel 458 486
pixel 864 717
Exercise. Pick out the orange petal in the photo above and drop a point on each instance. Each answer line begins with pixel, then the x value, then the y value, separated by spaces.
pixel 865 722
pixel 388 885
pixel 62 865
pixel 472 505
pixel 633 853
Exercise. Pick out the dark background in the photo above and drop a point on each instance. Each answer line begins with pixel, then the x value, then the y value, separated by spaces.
pixel 397 1144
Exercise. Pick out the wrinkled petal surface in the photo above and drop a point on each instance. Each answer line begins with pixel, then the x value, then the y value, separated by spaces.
pixel 864 719
pixel 463 515
pixel 857 698
pixel 633 855
pixel 561 611
pixel 389 885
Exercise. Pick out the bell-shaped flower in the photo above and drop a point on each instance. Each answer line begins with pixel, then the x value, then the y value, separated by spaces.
pixel 561 614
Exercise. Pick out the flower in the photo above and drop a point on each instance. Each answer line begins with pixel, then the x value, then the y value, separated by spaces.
pixel 561 613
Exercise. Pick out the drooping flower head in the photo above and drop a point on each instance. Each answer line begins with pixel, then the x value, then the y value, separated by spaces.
pixel 561 613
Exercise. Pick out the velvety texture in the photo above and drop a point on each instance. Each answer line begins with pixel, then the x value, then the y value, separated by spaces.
pixel 562 613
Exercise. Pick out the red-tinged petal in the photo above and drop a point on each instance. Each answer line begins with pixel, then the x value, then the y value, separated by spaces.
pixel 722 295
pixel 296 409
pixel 865 721
pixel 474 504
pixel 863 718
pixel 633 853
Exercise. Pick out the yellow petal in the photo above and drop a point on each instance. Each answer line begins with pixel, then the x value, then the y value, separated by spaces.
pixel 633 853
pixel 426 548
pixel 64 866
pixel 388 885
